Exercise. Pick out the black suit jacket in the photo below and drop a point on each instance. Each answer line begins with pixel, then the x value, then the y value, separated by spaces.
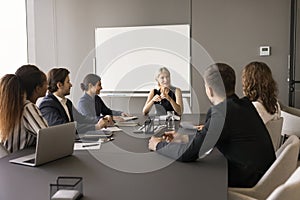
pixel 55 114
pixel 237 130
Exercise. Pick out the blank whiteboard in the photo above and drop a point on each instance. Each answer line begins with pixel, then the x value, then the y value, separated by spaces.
pixel 127 58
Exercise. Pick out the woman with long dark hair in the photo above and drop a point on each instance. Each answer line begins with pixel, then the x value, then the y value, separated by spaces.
pixel 20 119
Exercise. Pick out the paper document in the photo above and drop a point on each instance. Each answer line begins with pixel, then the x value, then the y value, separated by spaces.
pixel 129 118
pixel 87 145
pixel 164 117
pixel 112 128
pixel 129 123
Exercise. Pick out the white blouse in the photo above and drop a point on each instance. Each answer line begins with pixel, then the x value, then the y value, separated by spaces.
pixel 263 113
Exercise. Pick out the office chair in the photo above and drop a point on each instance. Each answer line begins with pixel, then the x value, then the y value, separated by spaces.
pixel 186 106
pixel 274 127
pixel 291 120
pixel 289 190
pixel 3 151
pixel 277 174
pixel 291 110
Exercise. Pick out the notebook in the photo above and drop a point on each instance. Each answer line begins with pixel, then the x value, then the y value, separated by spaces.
pixel 129 118
pixel 103 133
pixel 52 143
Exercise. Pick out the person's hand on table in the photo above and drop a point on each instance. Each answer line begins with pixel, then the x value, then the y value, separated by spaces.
pixel 125 114
pixel 153 142
pixel 118 118
pixel 109 119
pixel 102 123
pixel 172 136
pixel 200 127
pixel 168 136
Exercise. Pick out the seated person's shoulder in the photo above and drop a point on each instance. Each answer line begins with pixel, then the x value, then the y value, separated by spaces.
pixel 98 97
pixel 244 101
pixel 237 105
pixel 46 101
pixel 48 98
pixel 177 89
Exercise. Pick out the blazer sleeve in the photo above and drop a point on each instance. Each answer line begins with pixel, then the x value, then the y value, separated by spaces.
pixel 84 123
pixel 85 108
pixel 199 144
pixel 52 112
pixel 185 152
pixel 101 108
pixel 80 118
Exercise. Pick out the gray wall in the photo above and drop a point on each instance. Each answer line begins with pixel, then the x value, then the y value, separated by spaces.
pixel 231 31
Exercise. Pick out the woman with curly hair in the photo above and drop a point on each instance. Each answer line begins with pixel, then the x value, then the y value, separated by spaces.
pixel 260 87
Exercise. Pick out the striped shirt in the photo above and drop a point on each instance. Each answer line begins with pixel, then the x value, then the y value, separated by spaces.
pixel 24 133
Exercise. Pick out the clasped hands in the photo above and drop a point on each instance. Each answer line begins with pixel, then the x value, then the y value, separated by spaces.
pixel 120 118
pixel 163 95
pixel 104 122
pixel 169 136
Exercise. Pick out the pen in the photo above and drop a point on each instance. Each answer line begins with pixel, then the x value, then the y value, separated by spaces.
pixel 142 127
pixel 90 145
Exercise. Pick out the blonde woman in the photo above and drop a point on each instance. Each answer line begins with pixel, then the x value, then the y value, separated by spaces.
pixel 165 97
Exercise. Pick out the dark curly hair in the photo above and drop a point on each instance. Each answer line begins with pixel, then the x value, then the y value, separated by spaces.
pixel 259 85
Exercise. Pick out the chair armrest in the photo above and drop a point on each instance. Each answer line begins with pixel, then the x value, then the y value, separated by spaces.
pixel 237 196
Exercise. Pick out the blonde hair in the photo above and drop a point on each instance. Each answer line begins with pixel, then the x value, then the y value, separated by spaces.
pixel 160 71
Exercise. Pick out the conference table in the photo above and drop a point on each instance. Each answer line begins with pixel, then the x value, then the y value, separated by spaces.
pixel 121 169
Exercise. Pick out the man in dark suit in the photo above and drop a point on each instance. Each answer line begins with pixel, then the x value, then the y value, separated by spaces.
pixel 232 125
pixel 57 109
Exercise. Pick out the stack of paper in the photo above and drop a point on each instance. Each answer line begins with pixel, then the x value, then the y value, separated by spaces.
pixel 129 118
pixel 129 123
pixel 112 129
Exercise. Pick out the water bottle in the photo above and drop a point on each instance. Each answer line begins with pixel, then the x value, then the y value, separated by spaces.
pixel 170 121
pixel 149 126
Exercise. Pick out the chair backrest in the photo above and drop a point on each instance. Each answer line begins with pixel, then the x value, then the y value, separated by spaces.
pixel 274 127
pixel 291 124
pixel 186 106
pixel 291 110
pixel 289 190
pixel 278 173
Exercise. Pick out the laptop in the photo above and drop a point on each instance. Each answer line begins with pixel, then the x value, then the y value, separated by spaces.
pixel 52 143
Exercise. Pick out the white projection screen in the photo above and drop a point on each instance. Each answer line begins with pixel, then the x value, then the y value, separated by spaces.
pixel 127 58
